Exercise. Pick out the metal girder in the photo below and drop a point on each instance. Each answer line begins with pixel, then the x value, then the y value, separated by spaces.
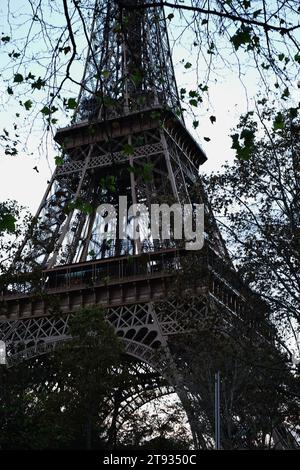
pixel 143 328
pixel 129 65
pixel 128 118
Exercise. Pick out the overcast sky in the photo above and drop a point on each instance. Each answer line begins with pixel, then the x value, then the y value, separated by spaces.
pixel 227 100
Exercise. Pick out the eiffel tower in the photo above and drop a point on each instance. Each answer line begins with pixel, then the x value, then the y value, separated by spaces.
pixel 128 138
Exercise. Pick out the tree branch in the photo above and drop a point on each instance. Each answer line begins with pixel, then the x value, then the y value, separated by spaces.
pixel 265 25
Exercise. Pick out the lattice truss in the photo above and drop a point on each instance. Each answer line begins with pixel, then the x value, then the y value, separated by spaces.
pixel 129 65
pixel 68 233
pixel 145 385
pixel 128 70
pixel 124 44
pixel 144 329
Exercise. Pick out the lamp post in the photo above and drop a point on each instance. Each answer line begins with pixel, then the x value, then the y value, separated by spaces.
pixel 2 353
pixel 217 412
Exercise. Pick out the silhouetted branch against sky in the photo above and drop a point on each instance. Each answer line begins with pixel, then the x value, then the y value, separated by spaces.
pixel 49 36
pixel 220 50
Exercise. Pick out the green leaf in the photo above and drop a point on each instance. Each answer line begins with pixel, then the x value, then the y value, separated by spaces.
pixel 212 119
pixel 28 105
pixel 285 94
pixel 128 149
pixel 46 110
pixel 203 87
pixel 117 28
pixel 248 136
pixel 243 152
pixel 7 223
pixel 66 49
pixel 72 103
pixel 10 90
pixel 11 151
pixel 207 139
pixel 263 101
pixel 30 76
pixel 59 160
pixel 18 78
pixel 83 206
pixel 137 77
pixel 187 65
pixel 257 13
pixel 211 48
pixel 105 74
pixel 5 39
pixel 108 101
pixel 278 122
pixel 14 54
pixel 193 102
pixel 195 124
pixel 170 16
pixel 241 37
pixel 86 208
pixel 109 183
pixel 293 112
pixel 147 171
pixel 38 84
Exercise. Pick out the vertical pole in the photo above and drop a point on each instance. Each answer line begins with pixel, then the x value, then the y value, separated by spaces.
pixel 3 353
pixel 137 243
pixel 217 412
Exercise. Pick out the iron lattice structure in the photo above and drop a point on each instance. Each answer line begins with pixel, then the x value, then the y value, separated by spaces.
pixel 129 65
pixel 128 122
